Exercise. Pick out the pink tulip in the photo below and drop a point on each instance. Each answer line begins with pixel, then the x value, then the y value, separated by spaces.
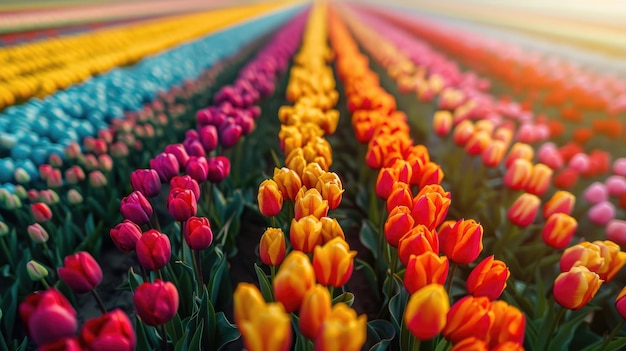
pixel 601 213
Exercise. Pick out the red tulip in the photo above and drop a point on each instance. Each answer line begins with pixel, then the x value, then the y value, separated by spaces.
pixel 219 169
pixel 462 243
pixel 48 316
pixel 198 233
pixel 182 204
pixel 185 182
pixel 146 181
pixel 111 331
pixel 198 168
pixel 41 212
pixel 136 207
pixel 81 272
pixel 156 303
pixel 153 250
pixel 488 278
pixel 125 235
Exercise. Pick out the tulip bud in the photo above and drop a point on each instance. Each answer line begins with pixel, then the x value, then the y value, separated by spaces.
pixel 37 233
pixel 508 326
pixel 48 316
pixel 614 259
pixel 310 203
pixel 119 149
pixel 219 169
pixel 601 213
pixel 153 250
pixel 247 300
pixel 166 165
pixel 36 271
pixel 387 177
pixel 398 223
pixel 341 330
pixel 426 311
pixel 620 303
pixel 229 134
pixel 74 175
pixel 422 270
pixel 442 122
pixel 178 150
pixel 463 242
pixel 400 196
pixel 198 168
pixel 181 204
pixel 21 176
pixel 316 306
pixel 469 317
pixel 156 303
pixel 478 142
pixel 136 207
pixel 488 278
pixel 269 328
pixel 270 198
pixel 111 331
pixel 80 272
pixel 518 174
pixel 4 229
pixel 540 179
pixel 330 187
pixel 294 278
pixel 463 132
pixel 333 263
pixel 575 288
pixel 305 233
pixel 272 247
pixel 615 231
pixel 566 179
pixel 524 210
pixel 125 235
pixel 559 230
pixel 185 182
pixel 470 344
pixel 197 232
pixel 519 151
pixel 417 241
pixel 431 174
pixel 493 154
pixel 430 209
pixel 146 181
pixel 561 202
pixel 97 179
pixel 41 212
pixel 582 254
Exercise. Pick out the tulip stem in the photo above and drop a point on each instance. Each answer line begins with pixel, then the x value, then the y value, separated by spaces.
pixel 610 337
pixel 45 284
pixel 163 338
pixel 331 290
pixel 95 294
pixel 273 221
pixel 198 260
pixel 414 343
pixel 451 278
pixel 552 328
pixel 209 198
pixel 7 252
pixel 182 244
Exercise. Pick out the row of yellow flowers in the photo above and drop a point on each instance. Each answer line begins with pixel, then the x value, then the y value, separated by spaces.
pixel 40 68
pixel 415 230
pixel 320 260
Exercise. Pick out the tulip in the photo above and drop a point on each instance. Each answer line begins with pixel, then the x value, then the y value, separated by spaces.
pixel 333 263
pixel 330 187
pixel 508 326
pixel 97 179
pixel 48 316
pixel 311 174
pixel 331 229
pixel 582 254
pixel 4 229
pixel 187 183
pixel 247 301
pixel 270 198
pixel 387 177
pixel 156 303
pixel 182 204
pixel 37 233
pixel 427 268
pixel 197 232
pixel 80 272
pixel 616 185
pixel 294 278
pixel 74 197
pixel 288 182
pixel 488 278
pixel 316 306
pixel 494 153
pixel 524 210
pixel 478 142
pixel 518 174
pixel 601 213
pixel 404 169
pixel 566 179
pixel 519 151
pixel 575 288
pixel 135 207
pixel 268 329
pixel 166 165
pixel 559 230
pixel 463 132
pixel 616 231
pixel 74 174
pixel 153 250
pixel 540 179
pixel 219 169
pixel 305 233
pixel 105 162
pixel 620 303
pixel 400 196
pixel 310 203
pixel 417 241
pixel 36 271
pixel 470 344
pixel 470 316
pixel 198 168
pixel 146 181
pixel 614 259
pixel 561 202
pixel 272 247
pixel 41 212
pixel 431 174
pixel 596 193
pixel 430 209
pixel 398 223
pixel 463 242
pixel 442 122
pixel 550 156
pixel 64 344
pixel 111 331
pixel 125 235
pixel 208 137
pixel 178 150
pixel 342 330
pixel 426 310
pixel 54 179
pixel 229 134
pixel 579 162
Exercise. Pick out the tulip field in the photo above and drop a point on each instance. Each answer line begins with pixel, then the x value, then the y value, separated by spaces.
pixel 303 175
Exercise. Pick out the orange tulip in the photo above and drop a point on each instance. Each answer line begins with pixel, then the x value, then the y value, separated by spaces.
pixel 488 278
pixel 430 209
pixel 493 154
pixel 575 288
pixel 478 142
pixel 342 330
pixel 582 254
pixel 614 259
pixel 442 122
pixel 559 230
pixel 470 316
pixel 470 344
pixel 463 242
pixel 270 198
pixel 306 233
pixel 272 246
pixel 398 223
pixel 509 324
pixel 426 310
pixel 316 306
pixel 463 132
pixel 431 174
pixel 524 210
pixel 294 278
pixel 404 170
pixel 310 203
pixel 288 182
pixel 400 196
pixel 427 268
pixel 540 179
pixel 561 202
pixel 416 242
pixel 519 151
pixel 508 346
pixel 331 229
pixel 385 181
pixel 333 263
pixel 518 174
pixel 247 299
pixel 268 329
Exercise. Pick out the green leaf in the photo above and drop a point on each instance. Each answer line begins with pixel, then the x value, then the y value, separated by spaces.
pixel 206 317
pixel 175 327
pixel 194 343
pixel 216 274
pixel 565 332
pixel 264 283
pixel 226 332
pixel 346 297
pixel 380 333
pixel 143 343
pixel 369 238
pixel 370 276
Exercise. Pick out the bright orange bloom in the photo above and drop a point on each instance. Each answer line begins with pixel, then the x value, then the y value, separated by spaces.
pixel 333 263
pixel 518 174
pixel 488 278
pixel 330 187
pixel 431 174
pixel 272 246
pixel 384 183
pixel 493 154
pixel 426 311
pixel 331 229
pixel 463 242
pixel 288 182
pixel 311 173
pixel 519 150
pixel 620 303
pixel 247 299
pixel 470 344
pixel 398 223
pixel 342 330
pixel 562 201
pixel 582 254
pixel 417 241
pixel 524 210
pixel 559 230
pixel 427 268
pixel 270 198
pixel 575 288
pixel 268 329
pixel 509 324
pixel 508 346
pixel 470 316
pixel 316 306
pixel 430 209
pixel 540 179
pixel 503 133
pixel 310 202
pixel 614 259
pixel 400 196
pixel 294 278
pixel 305 233
pixel 404 170
pixel 478 142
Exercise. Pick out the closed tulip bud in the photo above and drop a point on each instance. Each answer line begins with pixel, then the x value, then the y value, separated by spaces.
pixel 494 153
pixel 197 232
pixel 430 209
pixel 97 179
pixel 310 203
pixel 463 132
pixel 620 303
pixel 405 169
pixel 519 151
pixel 288 181
pixel 426 311
pixel 305 233
pixel 119 149
pixel 105 162
pixel 559 230
pixel 48 316
pixel 153 250
pixel 136 207
pixel 185 182
pixel 268 329
pixel 341 330
pixel 90 162
pixel 247 300
pixel 387 177
pixel 540 179
pixel 111 331
pixel 182 204
pixel 316 306
pixel 614 259
pixel 125 235
pixel 41 212
pixel 561 202
pixel 219 169
pixel 398 223
pixel 156 303
pixel 146 181
pixel 310 175
pixel 422 270
pixel 21 176
pixel 331 229
pixel 166 165
pixel 478 142
pixel 442 122
pixel 208 137
pixel 72 151
pixel 400 196
pixel 518 174
pixel 601 213
pixel 509 324
pixel 272 247
pixel 294 278
pixel 524 210
pixel 54 179
pixel 470 344
pixel 470 316
pixel 270 198
pixel 333 262
pixel 229 134
pixel 80 272
pixel 566 179
pixel 37 233
pixel 74 174
pixel 463 242
pixel 4 229
pixel 615 231
pixel 178 150
pixel 417 241
pixel 575 288
pixel 431 174
pixel 36 271
pixel 488 278
pixel 198 168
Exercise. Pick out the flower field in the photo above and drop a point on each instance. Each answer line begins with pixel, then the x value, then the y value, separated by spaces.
pixel 303 176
